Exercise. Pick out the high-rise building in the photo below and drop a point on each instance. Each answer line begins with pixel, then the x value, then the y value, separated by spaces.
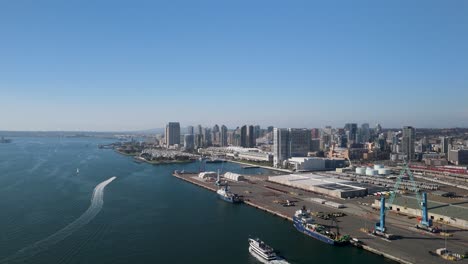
pixel 199 141
pixel 351 132
pixel 207 137
pixel 223 136
pixel 407 142
pixel 199 130
pixel 257 131
pixel 378 129
pixel 287 143
pixel 280 146
pixel 189 143
pixel 444 145
pixel 299 142
pixel 243 136
pixel 270 129
pixel 364 136
pixel 172 134
pixel 190 130
pixel 314 133
pixel 215 135
pixel 251 139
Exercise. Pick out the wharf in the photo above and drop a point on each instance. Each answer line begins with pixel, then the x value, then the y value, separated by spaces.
pixel 411 247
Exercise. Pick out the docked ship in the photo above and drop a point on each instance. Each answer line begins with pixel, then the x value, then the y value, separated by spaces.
pixel 261 250
pixel 228 196
pixel 304 223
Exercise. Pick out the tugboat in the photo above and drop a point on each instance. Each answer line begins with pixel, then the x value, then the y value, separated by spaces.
pixel 261 250
pixel 304 223
pixel 225 194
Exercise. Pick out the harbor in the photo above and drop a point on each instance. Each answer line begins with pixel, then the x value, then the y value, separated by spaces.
pixel 354 216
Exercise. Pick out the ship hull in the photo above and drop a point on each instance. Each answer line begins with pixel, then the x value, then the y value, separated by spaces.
pixel 228 199
pixel 298 225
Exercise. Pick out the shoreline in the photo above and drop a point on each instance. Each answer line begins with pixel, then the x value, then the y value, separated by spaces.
pixel 286 217
pixel 137 159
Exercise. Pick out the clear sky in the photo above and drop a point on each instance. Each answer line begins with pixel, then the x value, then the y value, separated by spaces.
pixel 134 65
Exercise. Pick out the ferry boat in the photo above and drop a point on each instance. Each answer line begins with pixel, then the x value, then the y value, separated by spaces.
pixel 304 223
pixel 225 194
pixel 259 249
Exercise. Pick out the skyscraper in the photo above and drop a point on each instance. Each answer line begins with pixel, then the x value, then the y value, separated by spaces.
pixel 172 134
pixel 444 145
pixel 251 139
pixel 287 143
pixel 215 135
pixel 351 132
pixel 299 142
pixel 314 133
pixel 407 142
pixel 280 146
pixel 243 136
pixel 223 136
pixel 364 133
pixel 199 130
pixel 207 137
pixel 190 130
pixel 189 143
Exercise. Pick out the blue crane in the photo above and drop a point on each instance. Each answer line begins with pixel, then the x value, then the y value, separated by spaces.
pixel 425 223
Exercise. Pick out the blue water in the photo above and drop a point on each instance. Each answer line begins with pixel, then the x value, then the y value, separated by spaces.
pixel 147 216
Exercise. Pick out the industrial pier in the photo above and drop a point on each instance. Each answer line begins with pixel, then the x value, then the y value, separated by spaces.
pixel 410 245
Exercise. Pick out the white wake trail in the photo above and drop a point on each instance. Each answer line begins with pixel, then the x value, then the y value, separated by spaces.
pixel 97 203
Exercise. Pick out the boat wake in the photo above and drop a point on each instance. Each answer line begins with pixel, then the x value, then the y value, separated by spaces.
pixel 97 203
pixel 262 260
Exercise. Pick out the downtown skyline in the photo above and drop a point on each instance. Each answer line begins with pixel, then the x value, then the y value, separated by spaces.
pixel 107 67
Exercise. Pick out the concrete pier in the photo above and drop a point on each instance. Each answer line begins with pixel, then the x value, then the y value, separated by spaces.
pixel 410 247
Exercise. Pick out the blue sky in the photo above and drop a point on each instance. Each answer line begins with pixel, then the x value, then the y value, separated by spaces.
pixel 132 65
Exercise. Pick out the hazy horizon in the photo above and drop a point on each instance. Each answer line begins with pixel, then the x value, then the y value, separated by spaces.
pixel 116 66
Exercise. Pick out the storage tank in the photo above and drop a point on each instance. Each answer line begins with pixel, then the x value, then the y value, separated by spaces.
pixel 384 171
pixel 371 172
pixel 361 170
pixel 378 166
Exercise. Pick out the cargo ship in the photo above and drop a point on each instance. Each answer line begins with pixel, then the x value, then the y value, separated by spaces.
pixel 225 194
pixel 304 223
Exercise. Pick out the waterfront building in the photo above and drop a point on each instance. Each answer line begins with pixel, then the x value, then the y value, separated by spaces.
pixel 287 143
pixel 172 134
pixel 407 142
pixel 280 146
pixel 189 143
pixel 299 142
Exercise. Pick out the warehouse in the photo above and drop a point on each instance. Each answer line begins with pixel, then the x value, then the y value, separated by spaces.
pixel 321 184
